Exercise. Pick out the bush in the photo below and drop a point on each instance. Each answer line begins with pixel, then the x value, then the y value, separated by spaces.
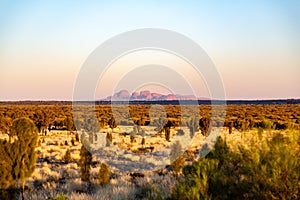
pixel 269 169
pixel 178 164
pixel 143 141
pixel 18 156
pixel 104 174
pixel 67 156
pixel 77 137
pixel 85 164
pixel 61 196
pixel 167 134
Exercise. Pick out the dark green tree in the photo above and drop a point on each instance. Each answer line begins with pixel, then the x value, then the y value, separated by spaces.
pixel 69 123
pixel 85 164
pixel 22 154
pixel 41 119
pixel 6 165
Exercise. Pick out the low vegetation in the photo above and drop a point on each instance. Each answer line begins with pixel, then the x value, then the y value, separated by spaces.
pixel 256 156
pixel 268 169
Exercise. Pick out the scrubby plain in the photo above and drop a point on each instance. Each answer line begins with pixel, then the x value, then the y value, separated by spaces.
pixel 256 156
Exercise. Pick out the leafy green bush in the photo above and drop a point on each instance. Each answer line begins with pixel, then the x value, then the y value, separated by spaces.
pixel 18 155
pixel 270 169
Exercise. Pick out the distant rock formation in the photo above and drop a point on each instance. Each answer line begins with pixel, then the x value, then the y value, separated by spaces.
pixel 146 95
pixel 123 94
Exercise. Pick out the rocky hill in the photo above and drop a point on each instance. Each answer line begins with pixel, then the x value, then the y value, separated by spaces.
pixel 146 95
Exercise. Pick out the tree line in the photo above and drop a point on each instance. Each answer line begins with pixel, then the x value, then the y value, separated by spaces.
pixel 240 117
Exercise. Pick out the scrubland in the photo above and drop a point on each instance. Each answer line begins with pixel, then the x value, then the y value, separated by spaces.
pixel 256 156
pixel 257 164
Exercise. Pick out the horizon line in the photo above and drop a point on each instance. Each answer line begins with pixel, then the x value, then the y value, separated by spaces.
pixel 143 100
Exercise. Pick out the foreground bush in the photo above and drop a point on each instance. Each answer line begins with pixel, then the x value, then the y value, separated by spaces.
pixel 18 156
pixel 269 169
pixel 85 164
pixel 61 196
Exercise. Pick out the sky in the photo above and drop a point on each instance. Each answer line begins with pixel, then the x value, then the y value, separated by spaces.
pixel 255 45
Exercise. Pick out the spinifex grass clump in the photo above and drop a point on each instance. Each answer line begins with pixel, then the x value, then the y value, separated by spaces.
pixel 269 169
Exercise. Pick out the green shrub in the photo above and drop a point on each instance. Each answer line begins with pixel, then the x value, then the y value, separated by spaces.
pixel 18 156
pixel 270 169
pixel 85 164
pixel 61 196
pixel 178 164
pixel 104 174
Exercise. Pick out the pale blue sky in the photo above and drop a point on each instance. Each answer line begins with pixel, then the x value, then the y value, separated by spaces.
pixel 254 44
